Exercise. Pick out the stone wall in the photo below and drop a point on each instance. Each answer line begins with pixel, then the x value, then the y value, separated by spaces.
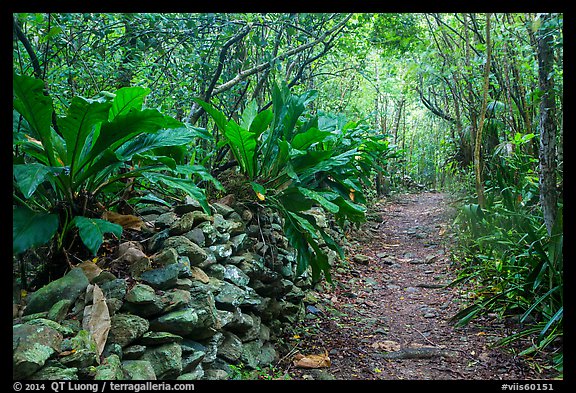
pixel 198 293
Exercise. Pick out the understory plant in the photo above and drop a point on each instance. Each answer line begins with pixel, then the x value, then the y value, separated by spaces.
pixel 507 253
pixel 69 169
pixel 295 161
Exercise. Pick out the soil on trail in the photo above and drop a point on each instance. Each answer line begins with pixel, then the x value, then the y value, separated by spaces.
pixel 387 318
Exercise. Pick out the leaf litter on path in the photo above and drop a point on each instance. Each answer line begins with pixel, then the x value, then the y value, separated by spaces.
pixel 366 299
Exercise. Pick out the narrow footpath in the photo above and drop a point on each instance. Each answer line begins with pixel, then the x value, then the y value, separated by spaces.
pixel 387 318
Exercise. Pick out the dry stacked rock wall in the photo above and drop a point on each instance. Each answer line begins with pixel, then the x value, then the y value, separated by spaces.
pixel 200 292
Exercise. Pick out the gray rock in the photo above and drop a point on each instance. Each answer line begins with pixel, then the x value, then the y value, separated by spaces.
pixel 112 349
pixel 228 296
pixel 165 220
pixel 236 228
pixel 184 267
pixel 225 317
pixel 158 338
pixel 166 256
pixel 133 352
pixel 142 294
pixel 210 233
pixel 68 287
pixel 193 354
pixel 84 352
pixel 268 355
pixel 59 310
pixel 231 347
pixel 126 328
pixel 221 251
pixel 156 242
pixel 166 360
pixel 152 209
pixel 216 270
pixel 184 284
pixel 162 278
pixel 193 375
pixel 182 225
pixel 196 235
pixel 181 322
pixel 55 373
pixel 190 206
pixel 110 369
pixel 221 224
pixel 241 323
pixel 250 331
pixel 235 276
pixel 214 374
pixel 185 247
pixel 222 209
pixel 175 299
pixel 138 370
pixel 32 347
pixel 204 304
pixel 251 352
pixel 114 289
pixel 211 347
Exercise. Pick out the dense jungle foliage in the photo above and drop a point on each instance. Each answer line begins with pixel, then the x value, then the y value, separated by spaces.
pixel 292 111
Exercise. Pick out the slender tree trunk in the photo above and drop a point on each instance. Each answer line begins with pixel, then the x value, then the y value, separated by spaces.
pixel 478 144
pixel 547 125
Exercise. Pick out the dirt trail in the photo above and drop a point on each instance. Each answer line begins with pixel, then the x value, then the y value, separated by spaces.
pixel 387 318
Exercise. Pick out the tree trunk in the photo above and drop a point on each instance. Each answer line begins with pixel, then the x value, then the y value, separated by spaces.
pixel 547 125
pixel 478 144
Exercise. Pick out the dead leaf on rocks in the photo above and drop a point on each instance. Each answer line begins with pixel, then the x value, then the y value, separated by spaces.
pixel 312 361
pixel 90 269
pixel 97 318
pixel 128 221
pixel 386 345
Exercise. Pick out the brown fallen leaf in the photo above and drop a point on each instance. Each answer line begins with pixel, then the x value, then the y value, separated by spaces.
pixel 97 319
pixel 312 361
pixel 90 269
pixel 127 221
pixel 386 345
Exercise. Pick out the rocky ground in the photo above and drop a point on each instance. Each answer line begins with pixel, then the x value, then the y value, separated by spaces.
pixel 387 317
pixel 197 296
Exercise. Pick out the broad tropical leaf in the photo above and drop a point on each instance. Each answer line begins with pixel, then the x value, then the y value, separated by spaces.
pixel 79 122
pixel 127 98
pixel 162 138
pixel 36 108
pixel 31 229
pixel 304 140
pixel 128 125
pixel 30 176
pixel 92 230
pixel 243 145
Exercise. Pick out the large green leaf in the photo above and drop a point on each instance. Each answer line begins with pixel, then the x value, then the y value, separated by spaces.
pixel 79 122
pixel 304 140
pixel 186 185
pixel 127 98
pixel 243 145
pixel 261 122
pixel 92 230
pixel 249 114
pixel 216 115
pixel 318 197
pixel 162 138
pixel 127 126
pixel 36 108
pixel 31 229
pixel 30 176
